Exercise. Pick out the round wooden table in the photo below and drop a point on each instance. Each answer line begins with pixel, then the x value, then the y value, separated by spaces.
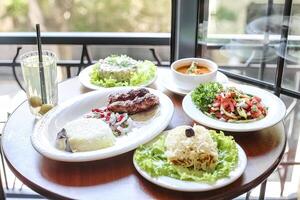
pixel 116 178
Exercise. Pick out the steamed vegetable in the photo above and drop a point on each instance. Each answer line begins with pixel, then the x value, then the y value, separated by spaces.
pixel 152 159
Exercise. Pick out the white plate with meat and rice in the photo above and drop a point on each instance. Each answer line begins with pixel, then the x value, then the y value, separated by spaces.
pixel 102 124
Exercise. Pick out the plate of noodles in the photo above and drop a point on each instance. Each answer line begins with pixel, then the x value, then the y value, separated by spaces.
pixel 191 159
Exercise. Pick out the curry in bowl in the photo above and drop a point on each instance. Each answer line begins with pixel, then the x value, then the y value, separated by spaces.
pixel 194 68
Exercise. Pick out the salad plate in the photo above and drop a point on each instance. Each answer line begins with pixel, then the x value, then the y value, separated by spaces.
pixel 271 108
pixel 49 128
pixel 170 84
pixel 188 186
pixel 118 71
pixel 85 80
pixel 157 168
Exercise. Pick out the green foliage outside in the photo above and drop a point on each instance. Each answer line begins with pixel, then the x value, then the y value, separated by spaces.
pixel 87 15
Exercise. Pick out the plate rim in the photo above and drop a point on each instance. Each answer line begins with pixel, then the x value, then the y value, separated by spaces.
pixel 241 167
pixel 36 144
pixel 240 129
pixel 164 84
pixel 91 86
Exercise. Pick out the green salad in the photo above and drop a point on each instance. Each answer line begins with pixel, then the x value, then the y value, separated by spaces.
pixel 115 71
pixel 152 159
pixel 228 104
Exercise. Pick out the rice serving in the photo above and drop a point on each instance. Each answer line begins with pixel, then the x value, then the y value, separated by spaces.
pixel 191 147
pixel 85 134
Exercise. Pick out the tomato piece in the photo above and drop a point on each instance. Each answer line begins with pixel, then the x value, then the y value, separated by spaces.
pixel 248 103
pixel 231 106
pixel 234 102
pixel 218 114
pixel 96 110
pixel 256 114
pixel 257 98
pixel 120 118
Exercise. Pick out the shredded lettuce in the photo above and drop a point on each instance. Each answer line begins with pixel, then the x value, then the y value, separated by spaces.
pixel 151 158
pixel 205 94
pixel 146 71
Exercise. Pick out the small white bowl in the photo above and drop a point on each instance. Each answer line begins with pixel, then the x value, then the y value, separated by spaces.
pixel 191 81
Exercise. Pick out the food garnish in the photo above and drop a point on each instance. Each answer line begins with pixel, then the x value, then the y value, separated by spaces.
pixel 120 123
pixel 228 104
pixel 213 155
pixel 122 70
pixel 193 69
pixel 189 132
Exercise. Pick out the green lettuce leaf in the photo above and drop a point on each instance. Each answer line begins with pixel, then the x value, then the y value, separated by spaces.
pixel 151 158
pixel 205 94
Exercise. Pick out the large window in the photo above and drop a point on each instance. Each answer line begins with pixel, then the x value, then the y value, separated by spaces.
pixel 255 39
pixel 86 16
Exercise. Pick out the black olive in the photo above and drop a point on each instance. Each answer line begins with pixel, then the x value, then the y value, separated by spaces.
pixel 189 132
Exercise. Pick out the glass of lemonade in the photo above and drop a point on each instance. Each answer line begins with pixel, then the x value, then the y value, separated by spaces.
pixel 31 74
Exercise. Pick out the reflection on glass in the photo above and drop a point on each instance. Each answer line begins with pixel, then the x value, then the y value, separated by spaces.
pixel 249 50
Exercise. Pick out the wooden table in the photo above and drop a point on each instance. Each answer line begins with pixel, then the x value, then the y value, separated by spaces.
pixel 116 178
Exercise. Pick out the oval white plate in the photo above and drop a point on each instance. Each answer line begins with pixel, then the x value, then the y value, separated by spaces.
pixel 276 112
pixel 45 131
pixel 189 186
pixel 84 78
pixel 170 84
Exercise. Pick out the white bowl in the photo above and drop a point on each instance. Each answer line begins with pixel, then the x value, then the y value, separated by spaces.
pixel 191 81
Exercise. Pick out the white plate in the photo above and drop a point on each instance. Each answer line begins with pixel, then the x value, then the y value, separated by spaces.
pixel 84 78
pixel 276 112
pixel 189 186
pixel 170 84
pixel 45 131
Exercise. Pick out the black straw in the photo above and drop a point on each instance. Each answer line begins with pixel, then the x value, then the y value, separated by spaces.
pixel 41 68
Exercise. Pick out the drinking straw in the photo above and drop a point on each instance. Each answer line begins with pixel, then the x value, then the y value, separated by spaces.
pixel 41 68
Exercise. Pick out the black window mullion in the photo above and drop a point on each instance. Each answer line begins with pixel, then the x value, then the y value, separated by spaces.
pixel 283 45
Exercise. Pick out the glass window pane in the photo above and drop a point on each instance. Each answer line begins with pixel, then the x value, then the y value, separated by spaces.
pixel 82 15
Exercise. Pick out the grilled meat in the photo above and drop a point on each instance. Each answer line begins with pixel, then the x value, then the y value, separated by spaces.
pixel 139 104
pixel 131 95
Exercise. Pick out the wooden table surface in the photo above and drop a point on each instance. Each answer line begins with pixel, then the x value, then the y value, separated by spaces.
pixel 116 178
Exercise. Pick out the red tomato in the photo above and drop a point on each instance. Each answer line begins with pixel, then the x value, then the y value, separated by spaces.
pixel 120 118
pixel 96 110
pixel 218 114
pixel 249 103
pixel 257 98
pixel 256 114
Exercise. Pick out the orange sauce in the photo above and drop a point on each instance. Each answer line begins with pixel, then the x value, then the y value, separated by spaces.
pixel 199 70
